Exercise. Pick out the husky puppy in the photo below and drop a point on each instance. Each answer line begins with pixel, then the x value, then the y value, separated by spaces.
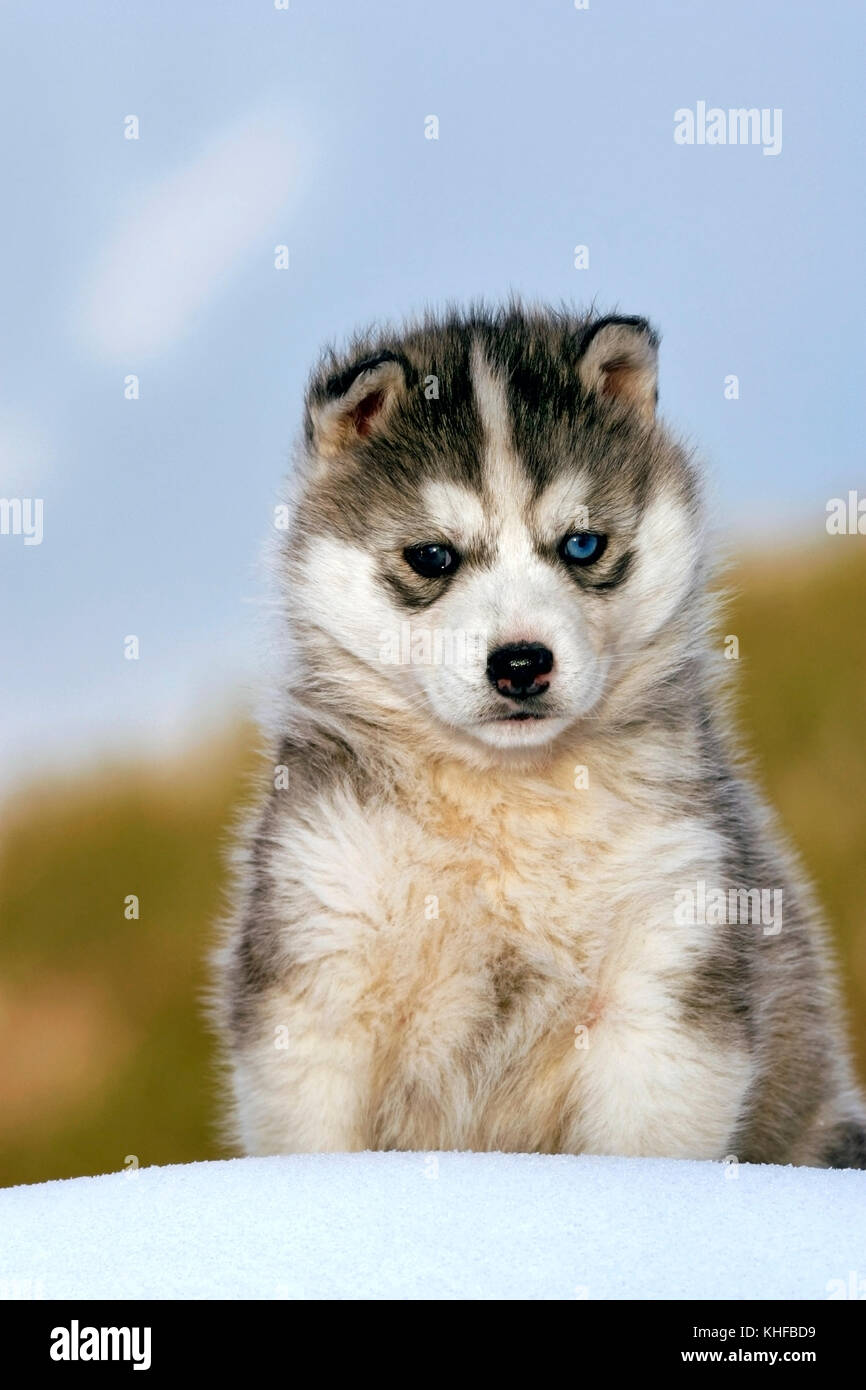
pixel 508 888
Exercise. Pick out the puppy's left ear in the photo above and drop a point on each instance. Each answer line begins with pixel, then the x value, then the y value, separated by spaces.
pixel 354 404
pixel 620 360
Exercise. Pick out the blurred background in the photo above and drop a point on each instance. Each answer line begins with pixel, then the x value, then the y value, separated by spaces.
pixel 197 198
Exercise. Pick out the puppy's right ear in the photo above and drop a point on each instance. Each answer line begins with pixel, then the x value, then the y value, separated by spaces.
pixel 354 404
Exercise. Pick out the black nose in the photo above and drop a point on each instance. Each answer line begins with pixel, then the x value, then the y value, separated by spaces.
pixel 521 670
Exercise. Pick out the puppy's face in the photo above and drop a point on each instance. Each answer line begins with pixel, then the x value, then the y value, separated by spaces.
pixel 492 528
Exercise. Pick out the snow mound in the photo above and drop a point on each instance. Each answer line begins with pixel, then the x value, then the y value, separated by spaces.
pixel 439 1226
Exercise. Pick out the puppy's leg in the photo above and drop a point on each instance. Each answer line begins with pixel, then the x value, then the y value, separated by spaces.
pixel 840 1143
pixel 303 1089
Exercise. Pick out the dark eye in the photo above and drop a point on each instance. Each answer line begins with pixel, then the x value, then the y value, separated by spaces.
pixel 583 547
pixel 431 560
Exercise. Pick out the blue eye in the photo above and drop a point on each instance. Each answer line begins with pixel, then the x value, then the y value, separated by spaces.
pixel 583 547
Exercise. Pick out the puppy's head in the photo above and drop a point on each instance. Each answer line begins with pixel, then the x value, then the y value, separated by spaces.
pixel 492 531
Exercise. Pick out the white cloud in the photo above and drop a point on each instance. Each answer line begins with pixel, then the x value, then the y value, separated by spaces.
pixel 175 250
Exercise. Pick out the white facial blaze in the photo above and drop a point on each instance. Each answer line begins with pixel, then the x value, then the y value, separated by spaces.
pixel 506 483
pixel 455 513
pixel 514 596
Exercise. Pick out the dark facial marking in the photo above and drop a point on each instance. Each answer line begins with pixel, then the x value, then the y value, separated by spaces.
pixel 617 574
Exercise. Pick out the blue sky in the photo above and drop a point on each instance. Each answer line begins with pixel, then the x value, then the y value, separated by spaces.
pixel 260 127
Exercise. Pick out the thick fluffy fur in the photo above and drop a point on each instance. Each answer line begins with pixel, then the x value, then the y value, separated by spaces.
pixel 456 930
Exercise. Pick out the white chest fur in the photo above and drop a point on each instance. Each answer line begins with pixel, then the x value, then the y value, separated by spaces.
pixel 493 963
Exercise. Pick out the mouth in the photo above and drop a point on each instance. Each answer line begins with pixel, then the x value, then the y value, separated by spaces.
pixel 518 717
pixel 520 729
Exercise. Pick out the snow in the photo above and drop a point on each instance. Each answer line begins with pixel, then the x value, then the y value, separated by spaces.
pixel 439 1226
